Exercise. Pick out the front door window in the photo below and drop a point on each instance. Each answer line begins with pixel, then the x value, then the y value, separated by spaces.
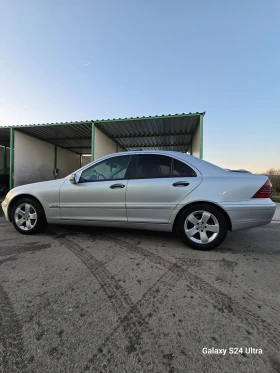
pixel 110 169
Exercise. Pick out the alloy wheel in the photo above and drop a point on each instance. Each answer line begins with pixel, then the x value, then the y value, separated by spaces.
pixel 25 216
pixel 201 227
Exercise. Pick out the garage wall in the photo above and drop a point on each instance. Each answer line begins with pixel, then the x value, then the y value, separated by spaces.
pixel 67 162
pixel 1 157
pixel 103 145
pixel 2 152
pixel 86 159
pixel 196 143
pixel 33 160
pixel 8 157
pixel 120 149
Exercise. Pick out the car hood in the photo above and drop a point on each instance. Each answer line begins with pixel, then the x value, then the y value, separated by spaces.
pixel 35 188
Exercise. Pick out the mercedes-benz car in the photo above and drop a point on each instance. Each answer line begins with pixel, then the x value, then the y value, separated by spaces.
pixel 155 190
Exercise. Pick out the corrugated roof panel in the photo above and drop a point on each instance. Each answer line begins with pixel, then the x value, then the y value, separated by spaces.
pixel 165 132
pixel 51 132
pixel 148 127
pixel 98 121
pixel 161 132
pixel 70 137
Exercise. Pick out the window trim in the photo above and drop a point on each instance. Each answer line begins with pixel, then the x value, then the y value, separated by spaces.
pixel 104 160
pixel 135 164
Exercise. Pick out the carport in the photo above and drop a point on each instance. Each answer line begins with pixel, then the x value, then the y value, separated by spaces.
pixel 42 152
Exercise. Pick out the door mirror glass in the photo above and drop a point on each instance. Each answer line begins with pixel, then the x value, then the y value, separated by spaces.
pixel 72 178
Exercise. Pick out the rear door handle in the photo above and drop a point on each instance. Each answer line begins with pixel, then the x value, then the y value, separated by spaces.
pixel 115 186
pixel 181 184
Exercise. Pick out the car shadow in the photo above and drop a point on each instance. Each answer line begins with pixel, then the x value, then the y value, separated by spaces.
pixel 257 240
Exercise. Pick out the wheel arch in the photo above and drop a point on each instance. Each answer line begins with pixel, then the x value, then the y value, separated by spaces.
pixel 19 197
pixel 208 203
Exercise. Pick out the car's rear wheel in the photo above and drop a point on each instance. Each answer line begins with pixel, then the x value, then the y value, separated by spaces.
pixel 202 226
pixel 28 216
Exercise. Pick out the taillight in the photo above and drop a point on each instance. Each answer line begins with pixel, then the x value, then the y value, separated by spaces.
pixel 265 191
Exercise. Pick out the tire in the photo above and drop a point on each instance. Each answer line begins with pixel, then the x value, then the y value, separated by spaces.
pixel 202 226
pixel 22 212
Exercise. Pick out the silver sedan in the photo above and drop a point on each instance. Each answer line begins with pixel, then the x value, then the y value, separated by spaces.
pixel 156 190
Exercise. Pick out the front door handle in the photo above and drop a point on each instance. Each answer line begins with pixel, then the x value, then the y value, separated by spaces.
pixel 115 186
pixel 181 184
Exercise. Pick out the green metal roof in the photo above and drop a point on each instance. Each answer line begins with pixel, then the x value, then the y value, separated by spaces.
pixel 164 132
pixel 172 132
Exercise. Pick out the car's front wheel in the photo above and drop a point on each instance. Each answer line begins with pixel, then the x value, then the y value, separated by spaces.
pixel 28 216
pixel 202 226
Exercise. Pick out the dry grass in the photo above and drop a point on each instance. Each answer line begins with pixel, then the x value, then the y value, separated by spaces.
pixel 276 199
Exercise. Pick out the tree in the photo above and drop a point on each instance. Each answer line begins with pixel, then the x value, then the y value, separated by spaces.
pixel 274 177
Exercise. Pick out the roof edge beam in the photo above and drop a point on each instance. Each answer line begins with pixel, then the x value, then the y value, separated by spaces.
pixel 49 124
pixel 149 118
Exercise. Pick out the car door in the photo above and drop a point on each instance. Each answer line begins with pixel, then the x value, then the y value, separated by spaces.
pixel 99 194
pixel 159 183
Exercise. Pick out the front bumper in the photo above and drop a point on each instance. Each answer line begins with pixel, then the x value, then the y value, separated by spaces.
pixel 4 206
pixel 249 214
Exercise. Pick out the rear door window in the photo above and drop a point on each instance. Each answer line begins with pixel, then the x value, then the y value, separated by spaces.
pixel 150 166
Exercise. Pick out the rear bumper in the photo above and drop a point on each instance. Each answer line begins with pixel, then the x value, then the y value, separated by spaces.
pixel 249 214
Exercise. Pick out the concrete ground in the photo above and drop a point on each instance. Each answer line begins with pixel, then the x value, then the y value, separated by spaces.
pixel 107 300
pixel 276 216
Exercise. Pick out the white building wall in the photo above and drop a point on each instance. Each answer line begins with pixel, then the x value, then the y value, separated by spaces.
pixel 67 162
pixel 196 143
pixel 33 160
pixel 102 145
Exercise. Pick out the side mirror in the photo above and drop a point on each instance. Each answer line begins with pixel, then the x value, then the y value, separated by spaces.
pixel 72 178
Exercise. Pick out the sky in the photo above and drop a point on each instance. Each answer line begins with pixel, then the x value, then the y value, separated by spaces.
pixel 71 60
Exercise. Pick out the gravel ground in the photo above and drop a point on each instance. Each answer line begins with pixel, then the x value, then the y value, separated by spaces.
pixel 106 300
